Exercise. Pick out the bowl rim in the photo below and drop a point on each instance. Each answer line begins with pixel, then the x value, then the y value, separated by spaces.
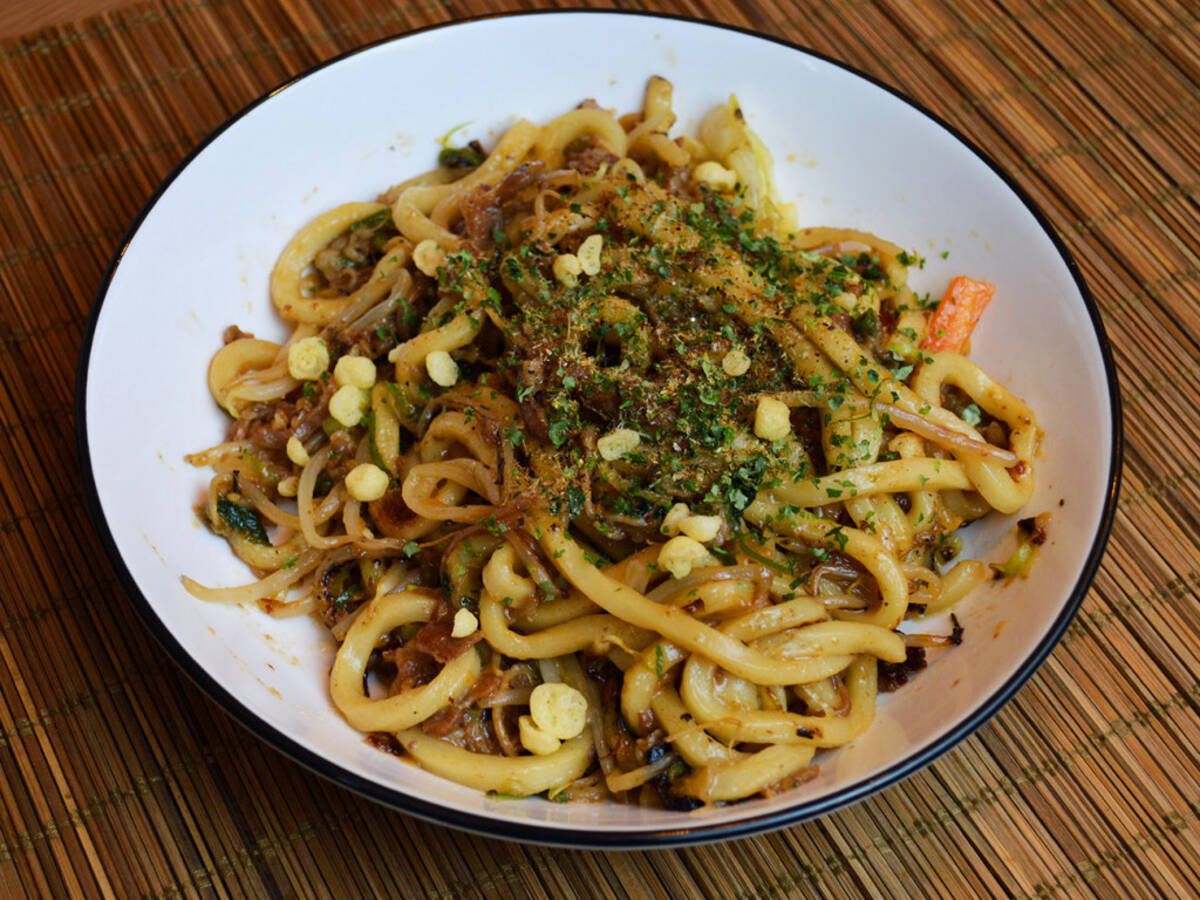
pixel 480 824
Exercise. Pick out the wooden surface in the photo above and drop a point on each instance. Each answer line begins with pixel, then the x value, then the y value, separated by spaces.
pixel 118 777
pixel 25 16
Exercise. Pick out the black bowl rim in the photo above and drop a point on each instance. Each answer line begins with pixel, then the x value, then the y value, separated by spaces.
pixel 548 835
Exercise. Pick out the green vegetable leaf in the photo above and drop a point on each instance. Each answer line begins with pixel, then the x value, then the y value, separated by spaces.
pixel 1030 537
pixel 376 456
pixel 244 520
pixel 745 547
pixel 374 220
pixel 341 588
pixel 453 157
pixel 460 157
pixel 404 408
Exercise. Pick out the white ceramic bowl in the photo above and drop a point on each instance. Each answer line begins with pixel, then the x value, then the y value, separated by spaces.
pixel 849 151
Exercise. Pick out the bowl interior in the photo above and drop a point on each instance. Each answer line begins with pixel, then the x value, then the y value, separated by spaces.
pixel 201 257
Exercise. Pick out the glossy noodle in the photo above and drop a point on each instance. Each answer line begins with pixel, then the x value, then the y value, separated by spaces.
pixel 610 480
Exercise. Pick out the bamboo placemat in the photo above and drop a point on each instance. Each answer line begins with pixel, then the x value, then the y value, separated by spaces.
pixel 118 777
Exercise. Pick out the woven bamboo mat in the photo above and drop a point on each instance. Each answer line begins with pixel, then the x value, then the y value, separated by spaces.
pixel 118 777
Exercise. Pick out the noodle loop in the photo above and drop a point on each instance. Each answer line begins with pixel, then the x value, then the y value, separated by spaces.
pixel 590 410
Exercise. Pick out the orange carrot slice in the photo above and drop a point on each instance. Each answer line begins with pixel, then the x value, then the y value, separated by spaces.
pixel 955 318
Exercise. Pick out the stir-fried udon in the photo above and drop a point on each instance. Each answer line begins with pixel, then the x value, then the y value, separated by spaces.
pixel 608 478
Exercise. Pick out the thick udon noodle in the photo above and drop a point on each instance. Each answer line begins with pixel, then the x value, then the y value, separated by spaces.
pixel 708 685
